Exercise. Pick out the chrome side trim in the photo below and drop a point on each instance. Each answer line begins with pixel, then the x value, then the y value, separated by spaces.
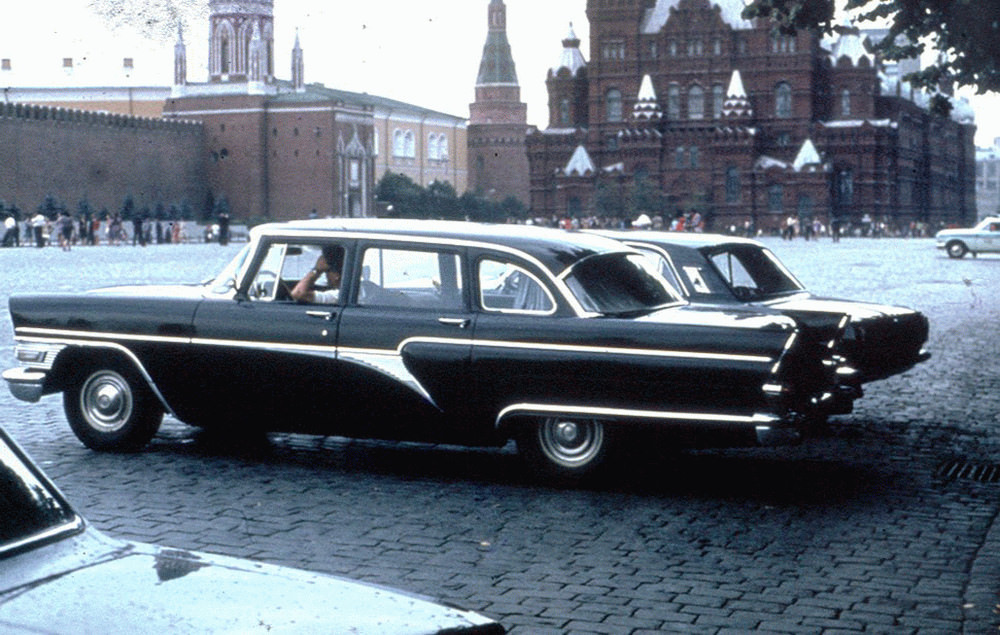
pixel 97 335
pixel 758 419
pixel 638 352
pixel 390 364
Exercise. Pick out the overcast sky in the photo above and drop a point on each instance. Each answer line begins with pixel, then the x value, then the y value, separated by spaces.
pixel 423 52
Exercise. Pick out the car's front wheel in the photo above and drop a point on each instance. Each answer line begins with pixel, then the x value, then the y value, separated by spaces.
pixel 110 408
pixel 956 249
pixel 565 448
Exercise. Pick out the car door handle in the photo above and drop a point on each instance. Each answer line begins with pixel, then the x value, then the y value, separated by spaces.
pixel 325 315
pixel 459 322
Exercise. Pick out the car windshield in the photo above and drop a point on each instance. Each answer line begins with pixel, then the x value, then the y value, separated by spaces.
pixel 752 273
pixel 226 280
pixel 31 509
pixel 619 284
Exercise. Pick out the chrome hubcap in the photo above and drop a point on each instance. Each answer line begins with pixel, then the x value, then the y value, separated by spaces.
pixel 570 443
pixel 106 401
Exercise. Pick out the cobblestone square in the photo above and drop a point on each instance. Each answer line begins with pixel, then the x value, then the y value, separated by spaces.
pixel 880 524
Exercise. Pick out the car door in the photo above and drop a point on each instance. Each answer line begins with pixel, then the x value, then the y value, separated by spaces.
pixel 989 239
pixel 264 358
pixel 404 342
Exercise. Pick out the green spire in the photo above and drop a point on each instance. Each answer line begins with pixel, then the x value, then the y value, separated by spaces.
pixel 497 66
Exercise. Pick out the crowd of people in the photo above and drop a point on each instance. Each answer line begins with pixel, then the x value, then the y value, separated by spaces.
pixel 67 231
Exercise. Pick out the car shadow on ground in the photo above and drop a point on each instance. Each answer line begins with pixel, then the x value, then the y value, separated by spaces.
pixel 769 476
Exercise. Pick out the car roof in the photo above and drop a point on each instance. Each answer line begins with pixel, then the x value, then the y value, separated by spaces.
pixel 556 249
pixel 693 240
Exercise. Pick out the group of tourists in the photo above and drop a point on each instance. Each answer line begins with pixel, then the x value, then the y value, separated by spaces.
pixel 66 231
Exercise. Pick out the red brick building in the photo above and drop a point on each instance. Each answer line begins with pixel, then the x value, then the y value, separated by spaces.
pixel 687 107
pixel 276 149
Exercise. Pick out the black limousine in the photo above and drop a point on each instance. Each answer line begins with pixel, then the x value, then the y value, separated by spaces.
pixel 429 331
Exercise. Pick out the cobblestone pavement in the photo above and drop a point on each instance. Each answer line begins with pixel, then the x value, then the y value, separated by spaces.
pixel 856 531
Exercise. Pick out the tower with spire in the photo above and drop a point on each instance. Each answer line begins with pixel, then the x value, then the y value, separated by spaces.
pixel 233 51
pixel 498 123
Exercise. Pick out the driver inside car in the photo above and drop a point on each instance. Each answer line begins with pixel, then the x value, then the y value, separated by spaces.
pixel 329 263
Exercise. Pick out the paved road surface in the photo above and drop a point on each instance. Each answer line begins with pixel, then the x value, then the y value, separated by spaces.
pixel 856 531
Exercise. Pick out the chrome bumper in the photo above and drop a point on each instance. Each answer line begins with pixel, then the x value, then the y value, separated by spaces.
pixel 24 383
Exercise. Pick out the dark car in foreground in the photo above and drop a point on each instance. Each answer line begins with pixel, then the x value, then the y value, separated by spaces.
pixel 878 340
pixel 58 575
pixel 439 331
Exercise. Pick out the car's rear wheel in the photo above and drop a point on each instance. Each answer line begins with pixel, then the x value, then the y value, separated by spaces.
pixel 110 408
pixel 565 448
pixel 956 249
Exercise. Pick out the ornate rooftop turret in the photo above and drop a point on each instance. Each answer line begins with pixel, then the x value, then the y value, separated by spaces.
pixel 571 58
pixel 232 23
pixel 647 107
pixel 736 104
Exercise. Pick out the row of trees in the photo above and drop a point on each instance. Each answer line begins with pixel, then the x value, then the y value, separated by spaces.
pixel 404 198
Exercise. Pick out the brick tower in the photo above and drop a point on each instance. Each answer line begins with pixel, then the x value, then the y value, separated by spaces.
pixel 498 126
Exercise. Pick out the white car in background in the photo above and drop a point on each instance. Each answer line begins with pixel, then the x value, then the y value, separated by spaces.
pixel 983 238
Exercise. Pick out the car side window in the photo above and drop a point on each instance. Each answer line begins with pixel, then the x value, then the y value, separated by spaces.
pixel 660 264
pixel 282 267
pixel 507 288
pixel 411 278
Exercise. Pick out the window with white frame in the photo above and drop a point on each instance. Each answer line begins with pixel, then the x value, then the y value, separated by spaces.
pixel 696 102
pixel 398 143
pixel 410 145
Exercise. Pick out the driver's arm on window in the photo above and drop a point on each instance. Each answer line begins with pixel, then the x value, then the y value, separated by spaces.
pixel 304 290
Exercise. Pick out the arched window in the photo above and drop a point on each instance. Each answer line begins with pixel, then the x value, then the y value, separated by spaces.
pixel 613 105
pixel 845 103
pixel 674 102
pixel 696 102
pixel 718 100
pixel 410 145
pixel 564 113
pixel 224 55
pixel 694 157
pixel 732 184
pixel 398 144
pixel 783 100
pixel 432 149
pixel 443 147
pixel 679 155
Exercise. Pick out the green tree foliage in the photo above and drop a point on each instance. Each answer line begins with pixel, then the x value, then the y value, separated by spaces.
pixel 407 199
pixel 128 208
pixel 50 207
pixel 964 32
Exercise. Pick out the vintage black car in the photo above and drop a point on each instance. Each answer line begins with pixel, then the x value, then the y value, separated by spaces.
pixel 878 341
pixel 439 331
pixel 59 575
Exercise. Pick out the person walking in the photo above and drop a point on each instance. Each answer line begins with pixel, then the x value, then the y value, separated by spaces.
pixel 38 223
pixel 10 235
pixel 63 230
